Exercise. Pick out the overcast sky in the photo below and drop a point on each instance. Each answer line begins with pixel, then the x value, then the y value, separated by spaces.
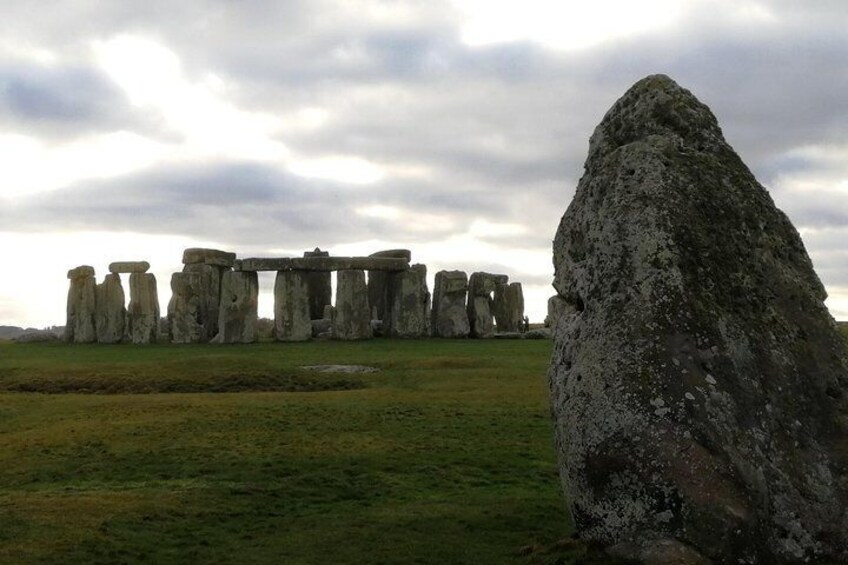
pixel 458 129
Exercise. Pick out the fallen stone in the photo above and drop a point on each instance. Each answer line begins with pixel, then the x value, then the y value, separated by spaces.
pixel 110 314
pixel 215 257
pixel 352 316
pixel 449 317
pixel 238 311
pixel 538 333
pixel 143 311
pixel 699 387
pixel 80 326
pixel 37 337
pixel 322 264
pixel 320 287
pixel 322 328
pixel 129 267
pixel 408 304
pixel 291 307
pixel 185 318
pixel 508 307
pixel 348 369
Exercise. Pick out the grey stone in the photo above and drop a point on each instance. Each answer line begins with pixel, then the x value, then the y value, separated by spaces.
pixel 238 311
pixel 328 312
pixel 320 287
pixel 110 315
pixel 481 287
pixel 349 369
pixel 215 257
pixel 352 316
pixel 557 307
pixel 378 281
pixel 81 272
pixel 36 337
pixel 508 307
pixel 322 328
pixel 143 312
pixel 80 326
pixel 291 307
pixel 129 267
pixel 405 254
pixel 322 264
pixel 538 333
pixel 449 317
pixel 185 312
pixel 408 304
pixel 699 388
pixel 209 293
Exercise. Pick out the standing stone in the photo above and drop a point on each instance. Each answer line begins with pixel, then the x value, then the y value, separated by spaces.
pixel 378 281
pixel 238 311
pixel 291 306
pixel 80 326
pixel 185 322
pixel 699 388
pixel 557 307
pixel 449 317
pixel 319 287
pixel 143 312
pixel 509 307
pixel 351 316
pixel 408 305
pixel 209 296
pixel 481 287
pixel 110 315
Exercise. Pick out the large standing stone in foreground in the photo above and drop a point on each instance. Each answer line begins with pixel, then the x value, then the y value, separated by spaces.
pixel 143 312
pixel 700 390
pixel 351 316
pixel 291 306
pixel 319 285
pixel 209 294
pixel 80 326
pixel 185 321
pixel 378 281
pixel 508 307
pixel 408 303
pixel 481 287
pixel 449 318
pixel 110 315
pixel 238 311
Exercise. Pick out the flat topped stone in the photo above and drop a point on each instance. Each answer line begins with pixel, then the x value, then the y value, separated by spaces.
pixel 129 267
pixel 208 256
pixel 394 254
pixel 81 272
pixel 321 264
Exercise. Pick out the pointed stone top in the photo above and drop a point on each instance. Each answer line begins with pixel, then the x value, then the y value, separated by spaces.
pixel 656 106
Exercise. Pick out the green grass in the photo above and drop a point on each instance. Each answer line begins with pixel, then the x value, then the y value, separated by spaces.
pixel 444 456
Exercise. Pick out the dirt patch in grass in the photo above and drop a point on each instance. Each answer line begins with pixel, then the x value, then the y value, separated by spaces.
pixel 18 381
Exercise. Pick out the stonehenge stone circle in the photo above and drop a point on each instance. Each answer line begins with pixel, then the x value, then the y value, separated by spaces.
pixel 292 321
pixel 321 264
pixel 408 303
pixel 509 307
pixel 238 311
pixel 351 315
pixel 319 287
pixel 449 316
pixel 110 312
pixel 80 325
pixel 700 386
pixel 129 267
pixel 185 313
pixel 481 287
pixel 210 265
pixel 143 311
pixel 377 288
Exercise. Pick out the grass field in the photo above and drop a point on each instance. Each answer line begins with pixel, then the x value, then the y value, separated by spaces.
pixel 444 456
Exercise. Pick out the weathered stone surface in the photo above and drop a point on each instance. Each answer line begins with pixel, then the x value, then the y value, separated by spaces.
pixel 80 326
pixel 394 254
pixel 185 318
pixel 699 390
pixel 81 272
pixel 508 307
pixel 143 312
pixel 449 317
pixel 321 264
pixel 129 267
pixel 291 307
pixel 377 282
pixel 322 328
pixel 320 287
pixel 557 307
pixel 408 304
pixel 196 255
pixel 351 316
pixel 238 311
pixel 209 293
pixel 110 316
pixel 481 286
